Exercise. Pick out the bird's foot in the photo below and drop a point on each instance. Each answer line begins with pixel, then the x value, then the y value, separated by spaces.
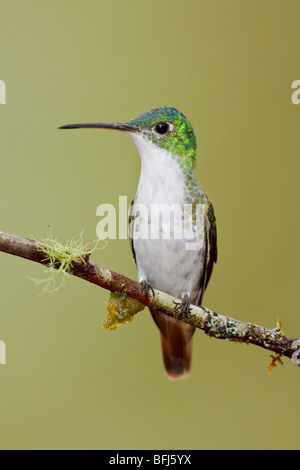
pixel 146 288
pixel 184 306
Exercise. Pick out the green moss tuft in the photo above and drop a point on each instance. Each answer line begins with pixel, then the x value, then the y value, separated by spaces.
pixel 60 259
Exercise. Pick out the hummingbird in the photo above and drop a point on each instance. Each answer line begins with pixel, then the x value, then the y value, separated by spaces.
pixel 167 146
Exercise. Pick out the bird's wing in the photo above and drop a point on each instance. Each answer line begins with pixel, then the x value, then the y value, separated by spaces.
pixel 211 240
pixel 211 251
pixel 131 222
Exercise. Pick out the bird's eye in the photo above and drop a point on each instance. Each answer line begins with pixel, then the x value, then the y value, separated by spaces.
pixel 162 128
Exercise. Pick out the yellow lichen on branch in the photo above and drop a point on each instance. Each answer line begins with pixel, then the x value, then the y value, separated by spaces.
pixel 275 359
pixel 121 310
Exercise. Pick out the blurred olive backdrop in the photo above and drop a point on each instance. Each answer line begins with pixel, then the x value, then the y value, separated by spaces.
pixel 228 65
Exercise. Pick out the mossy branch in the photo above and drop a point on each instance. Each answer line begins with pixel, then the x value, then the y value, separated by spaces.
pixel 213 324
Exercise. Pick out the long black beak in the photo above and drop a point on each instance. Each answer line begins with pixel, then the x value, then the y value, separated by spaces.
pixel 119 126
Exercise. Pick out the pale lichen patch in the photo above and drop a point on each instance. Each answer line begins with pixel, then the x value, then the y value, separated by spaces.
pixel 61 258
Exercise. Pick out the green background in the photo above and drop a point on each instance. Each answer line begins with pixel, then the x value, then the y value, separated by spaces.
pixel 228 65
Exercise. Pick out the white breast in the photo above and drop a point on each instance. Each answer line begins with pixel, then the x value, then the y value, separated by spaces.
pixel 163 261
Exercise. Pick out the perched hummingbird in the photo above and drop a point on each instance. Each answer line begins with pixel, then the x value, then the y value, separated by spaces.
pixel 167 145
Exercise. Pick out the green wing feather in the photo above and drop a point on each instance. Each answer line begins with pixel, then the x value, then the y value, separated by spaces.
pixel 131 219
pixel 211 252
pixel 211 240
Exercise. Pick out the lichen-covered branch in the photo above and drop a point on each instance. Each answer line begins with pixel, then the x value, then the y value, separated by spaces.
pixel 213 324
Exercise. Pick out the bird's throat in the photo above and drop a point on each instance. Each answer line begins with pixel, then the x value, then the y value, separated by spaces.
pixel 162 180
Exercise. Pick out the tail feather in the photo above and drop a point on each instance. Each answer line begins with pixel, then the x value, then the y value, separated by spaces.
pixel 176 341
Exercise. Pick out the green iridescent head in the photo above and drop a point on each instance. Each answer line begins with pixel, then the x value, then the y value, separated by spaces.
pixel 168 128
